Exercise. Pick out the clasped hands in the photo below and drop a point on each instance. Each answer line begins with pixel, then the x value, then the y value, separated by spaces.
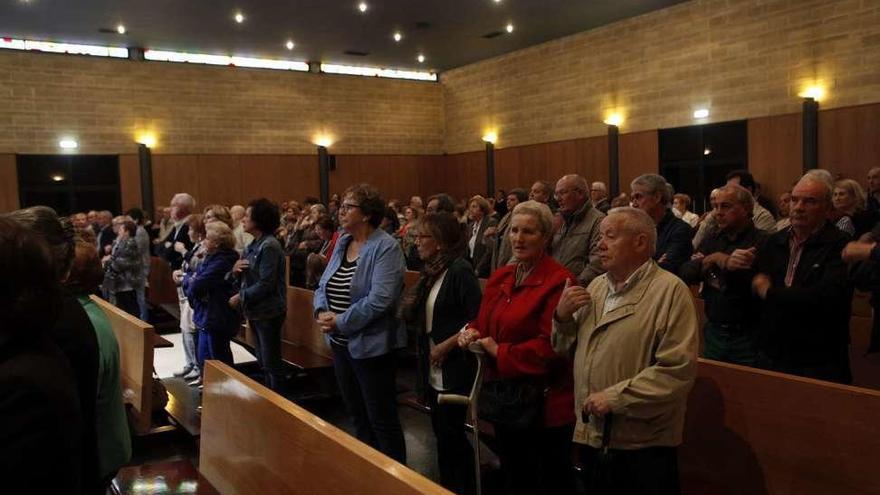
pixel 469 334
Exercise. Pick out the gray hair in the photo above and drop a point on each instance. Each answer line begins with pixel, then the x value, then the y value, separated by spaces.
pixel 58 232
pixel 538 210
pixel 636 221
pixel 655 184
pixel 185 200
pixel 823 177
pixel 600 185
pixel 742 196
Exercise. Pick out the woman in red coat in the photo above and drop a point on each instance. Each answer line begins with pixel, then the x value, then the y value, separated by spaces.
pixel 514 327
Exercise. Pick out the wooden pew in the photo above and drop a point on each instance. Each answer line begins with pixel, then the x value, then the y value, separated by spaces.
pixel 279 448
pixel 162 288
pixel 302 341
pixel 754 431
pixel 136 340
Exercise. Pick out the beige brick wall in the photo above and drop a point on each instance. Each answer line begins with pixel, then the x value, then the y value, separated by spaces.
pixel 202 109
pixel 740 58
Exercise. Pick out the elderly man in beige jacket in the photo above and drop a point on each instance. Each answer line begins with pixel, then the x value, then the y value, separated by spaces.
pixel 634 330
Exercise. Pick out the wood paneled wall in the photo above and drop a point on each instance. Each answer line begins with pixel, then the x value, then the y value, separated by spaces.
pixel 234 179
pixel 639 154
pixel 396 176
pixel 8 183
pixel 461 175
pixel 130 182
pixel 849 140
pixel 776 155
pixel 521 166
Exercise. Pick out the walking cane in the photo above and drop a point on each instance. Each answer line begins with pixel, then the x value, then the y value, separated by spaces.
pixel 471 402
pixel 601 479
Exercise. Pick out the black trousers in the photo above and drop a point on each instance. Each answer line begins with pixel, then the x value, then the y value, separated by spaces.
pixel 537 460
pixel 455 457
pixel 650 471
pixel 370 394
pixel 267 334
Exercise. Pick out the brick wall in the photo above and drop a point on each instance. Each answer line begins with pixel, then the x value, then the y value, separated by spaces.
pixel 203 109
pixel 739 58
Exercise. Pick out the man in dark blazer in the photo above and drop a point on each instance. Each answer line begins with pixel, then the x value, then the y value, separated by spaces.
pixel 802 280
pixel 652 194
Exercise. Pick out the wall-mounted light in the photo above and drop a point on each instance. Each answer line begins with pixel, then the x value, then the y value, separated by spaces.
pixel 147 139
pixel 490 137
pixel 613 118
pixel 815 91
pixel 68 144
pixel 322 140
pixel 701 113
pixel 57 178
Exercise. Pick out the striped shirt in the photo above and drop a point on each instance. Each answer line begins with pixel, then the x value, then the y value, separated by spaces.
pixel 339 293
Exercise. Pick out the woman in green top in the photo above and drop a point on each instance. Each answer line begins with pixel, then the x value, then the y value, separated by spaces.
pixel 114 440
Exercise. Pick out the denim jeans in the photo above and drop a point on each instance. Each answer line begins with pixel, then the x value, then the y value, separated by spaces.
pixel 144 308
pixel 370 394
pixel 267 334
pixel 731 344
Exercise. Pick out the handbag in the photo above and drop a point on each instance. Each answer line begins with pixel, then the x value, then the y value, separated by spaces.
pixel 516 404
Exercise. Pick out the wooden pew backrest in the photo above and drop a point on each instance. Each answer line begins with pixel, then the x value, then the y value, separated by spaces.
pixel 135 340
pixel 300 327
pixel 256 442
pixel 756 431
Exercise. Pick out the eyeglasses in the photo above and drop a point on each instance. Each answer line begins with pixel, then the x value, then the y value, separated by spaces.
pixel 348 206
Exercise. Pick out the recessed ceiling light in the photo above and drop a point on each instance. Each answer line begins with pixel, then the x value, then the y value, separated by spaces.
pixel 290 44
pixel 120 29
pixel 497 1
pixel 57 178
pixel 707 151
pixel 363 6
pixel 701 113
pixel 509 27
pixel 398 36
pixel 68 144
pixel 421 58
pixel 239 17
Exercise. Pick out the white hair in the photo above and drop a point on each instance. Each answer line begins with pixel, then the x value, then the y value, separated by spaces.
pixel 636 221
pixel 538 210
pixel 823 177
pixel 185 200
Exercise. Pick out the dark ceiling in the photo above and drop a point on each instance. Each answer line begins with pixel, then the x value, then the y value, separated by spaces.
pixel 450 33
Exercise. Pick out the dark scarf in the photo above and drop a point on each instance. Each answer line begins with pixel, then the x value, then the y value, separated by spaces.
pixel 412 304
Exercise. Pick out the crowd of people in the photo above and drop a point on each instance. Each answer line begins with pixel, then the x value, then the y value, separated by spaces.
pixel 586 319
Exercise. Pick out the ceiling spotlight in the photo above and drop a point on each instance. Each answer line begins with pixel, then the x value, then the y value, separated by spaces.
pixel 421 58
pixel 398 36
pixel 362 6
pixel 509 27
pixel 497 1
pixel 57 178
pixel 707 151
pixel 68 144
pixel 120 29
pixel 239 17
pixel 701 113
pixel 290 44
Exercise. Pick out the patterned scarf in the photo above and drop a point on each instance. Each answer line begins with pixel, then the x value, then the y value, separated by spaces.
pixel 412 304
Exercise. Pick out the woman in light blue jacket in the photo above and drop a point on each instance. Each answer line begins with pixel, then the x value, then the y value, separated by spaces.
pixel 355 306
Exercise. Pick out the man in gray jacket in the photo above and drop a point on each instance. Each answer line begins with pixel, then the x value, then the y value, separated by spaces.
pixel 576 240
